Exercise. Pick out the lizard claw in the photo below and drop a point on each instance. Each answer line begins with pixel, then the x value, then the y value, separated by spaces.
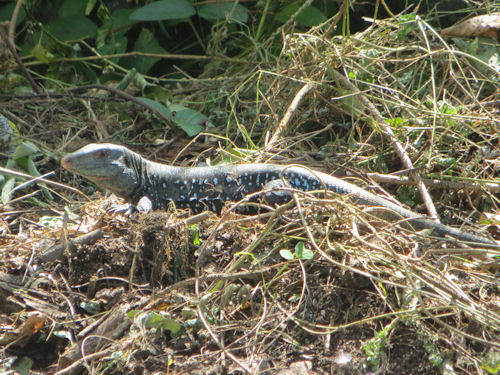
pixel 126 209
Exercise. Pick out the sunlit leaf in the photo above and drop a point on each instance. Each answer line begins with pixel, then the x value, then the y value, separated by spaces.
pixel 286 254
pixel 187 119
pixel 158 106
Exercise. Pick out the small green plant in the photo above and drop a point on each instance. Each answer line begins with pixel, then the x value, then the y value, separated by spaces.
pixel 151 319
pixel 300 252
pixel 22 159
pixel 491 362
pixel 375 348
pixel 195 232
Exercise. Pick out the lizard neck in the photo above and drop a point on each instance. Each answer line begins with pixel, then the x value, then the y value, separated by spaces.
pixel 152 180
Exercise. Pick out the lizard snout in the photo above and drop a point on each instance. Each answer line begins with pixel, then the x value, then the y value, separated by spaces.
pixel 66 162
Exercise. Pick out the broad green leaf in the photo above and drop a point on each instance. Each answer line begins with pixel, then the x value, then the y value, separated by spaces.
pixel 71 8
pixel 72 28
pixel 164 10
pixel 309 16
pixel 158 106
pixel 221 11
pixel 146 42
pixel 187 119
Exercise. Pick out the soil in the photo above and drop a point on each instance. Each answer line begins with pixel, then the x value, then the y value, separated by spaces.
pixel 136 285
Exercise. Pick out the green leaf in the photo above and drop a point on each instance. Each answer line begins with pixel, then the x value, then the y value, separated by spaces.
pixel 193 324
pixel 91 307
pixel 51 221
pixel 491 362
pixel 119 45
pixel 25 149
pixel 222 11
pixel 7 10
pixel 42 54
pixel 302 253
pixel 308 254
pixel 309 16
pixel 195 232
pixel 155 320
pixel 71 8
pixel 187 119
pixel 132 314
pixel 118 21
pixel 299 248
pixel 7 189
pixel 146 42
pixel 286 254
pixel 90 6
pixel 72 28
pixel 158 106
pixel 164 10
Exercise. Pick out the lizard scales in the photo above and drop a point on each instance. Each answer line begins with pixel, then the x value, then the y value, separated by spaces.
pixel 148 185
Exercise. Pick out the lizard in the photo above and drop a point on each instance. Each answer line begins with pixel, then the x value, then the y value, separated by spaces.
pixel 147 185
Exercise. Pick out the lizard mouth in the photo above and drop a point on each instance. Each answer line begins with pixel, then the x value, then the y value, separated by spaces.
pixel 66 163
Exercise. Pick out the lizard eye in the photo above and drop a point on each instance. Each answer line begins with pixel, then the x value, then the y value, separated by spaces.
pixel 101 154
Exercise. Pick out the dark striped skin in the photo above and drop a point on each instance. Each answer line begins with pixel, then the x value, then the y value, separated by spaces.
pixel 148 185
pixel 207 188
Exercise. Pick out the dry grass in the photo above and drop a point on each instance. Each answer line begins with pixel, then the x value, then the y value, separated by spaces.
pixel 395 301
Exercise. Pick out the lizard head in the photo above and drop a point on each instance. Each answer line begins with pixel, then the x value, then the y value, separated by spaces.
pixel 110 166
